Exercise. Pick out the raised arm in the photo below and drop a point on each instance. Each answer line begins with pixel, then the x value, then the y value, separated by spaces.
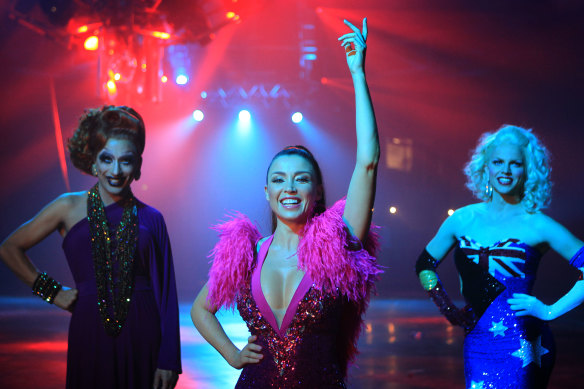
pixel 13 249
pixel 569 247
pixel 203 316
pixel 361 193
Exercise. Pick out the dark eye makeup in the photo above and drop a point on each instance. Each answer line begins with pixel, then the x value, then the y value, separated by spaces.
pixel 106 157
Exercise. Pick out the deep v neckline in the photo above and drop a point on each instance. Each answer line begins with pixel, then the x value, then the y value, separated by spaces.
pixel 260 298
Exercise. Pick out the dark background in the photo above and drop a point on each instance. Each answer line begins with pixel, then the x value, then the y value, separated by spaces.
pixel 440 73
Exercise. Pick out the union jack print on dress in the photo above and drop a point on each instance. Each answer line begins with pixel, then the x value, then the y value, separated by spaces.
pixel 503 257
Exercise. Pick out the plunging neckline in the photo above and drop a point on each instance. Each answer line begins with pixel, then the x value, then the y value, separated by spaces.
pixel 260 298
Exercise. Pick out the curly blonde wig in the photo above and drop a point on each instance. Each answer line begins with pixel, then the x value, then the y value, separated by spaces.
pixel 537 184
pixel 98 125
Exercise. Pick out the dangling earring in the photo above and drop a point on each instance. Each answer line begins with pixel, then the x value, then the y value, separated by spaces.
pixel 488 190
pixel 94 170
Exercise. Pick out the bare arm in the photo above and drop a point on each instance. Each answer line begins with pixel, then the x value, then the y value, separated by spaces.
pixel 439 246
pixel 203 316
pixel 560 238
pixel 13 249
pixel 426 266
pixel 567 245
pixel 361 193
pixel 446 236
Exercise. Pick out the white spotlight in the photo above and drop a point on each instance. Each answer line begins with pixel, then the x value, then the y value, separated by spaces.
pixel 244 116
pixel 198 115
pixel 182 79
pixel 297 117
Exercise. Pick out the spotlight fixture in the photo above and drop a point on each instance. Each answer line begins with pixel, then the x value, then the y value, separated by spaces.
pixel 297 117
pixel 198 115
pixel 244 116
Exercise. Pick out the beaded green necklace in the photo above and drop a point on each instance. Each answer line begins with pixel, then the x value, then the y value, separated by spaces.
pixel 113 260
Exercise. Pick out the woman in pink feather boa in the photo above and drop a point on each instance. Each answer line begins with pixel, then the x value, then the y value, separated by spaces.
pixel 303 290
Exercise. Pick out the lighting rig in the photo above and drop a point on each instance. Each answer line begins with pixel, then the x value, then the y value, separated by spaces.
pixel 129 37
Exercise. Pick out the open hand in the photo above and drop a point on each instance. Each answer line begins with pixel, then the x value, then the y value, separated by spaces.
pixel 355 46
pixel 524 304
pixel 165 379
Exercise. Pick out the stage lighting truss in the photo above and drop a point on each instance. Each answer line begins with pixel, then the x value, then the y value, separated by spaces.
pixel 264 94
pixel 128 37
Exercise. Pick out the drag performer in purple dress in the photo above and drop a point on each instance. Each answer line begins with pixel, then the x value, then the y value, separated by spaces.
pixel 303 290
pixel 124 330
pixel 498 244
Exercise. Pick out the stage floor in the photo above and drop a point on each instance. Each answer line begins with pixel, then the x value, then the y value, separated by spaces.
pixel 406 345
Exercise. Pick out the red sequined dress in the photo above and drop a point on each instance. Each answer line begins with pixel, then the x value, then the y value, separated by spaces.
pixel 318 335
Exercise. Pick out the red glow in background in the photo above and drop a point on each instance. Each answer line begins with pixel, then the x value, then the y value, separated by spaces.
pixel 440 75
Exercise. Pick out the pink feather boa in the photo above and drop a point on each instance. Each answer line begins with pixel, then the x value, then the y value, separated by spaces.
pixel 234 257
pixel 335 259
pixel 323 252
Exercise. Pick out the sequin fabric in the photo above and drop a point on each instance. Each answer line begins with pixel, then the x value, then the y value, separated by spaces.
pixel 306 356
pixel 504 350
pixel 578 262
pixel 113 259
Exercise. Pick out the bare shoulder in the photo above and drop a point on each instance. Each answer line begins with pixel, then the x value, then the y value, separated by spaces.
pixel 57 215
pixel 449 231
pixel 541 222
pixel 546 227
pixel 471 210
pixel 71 199
pixel 68 209
pixel 76 208
pixel 68 202
pixel 463 215
pixel 555 235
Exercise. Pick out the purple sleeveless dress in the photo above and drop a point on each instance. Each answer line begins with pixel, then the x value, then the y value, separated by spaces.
pixel 150 335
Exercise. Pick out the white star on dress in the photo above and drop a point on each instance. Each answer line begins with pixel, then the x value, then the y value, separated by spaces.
pixel 477 385
pixel 498 328
pixel 531 351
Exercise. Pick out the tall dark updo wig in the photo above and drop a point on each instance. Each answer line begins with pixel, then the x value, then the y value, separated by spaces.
pixel 98 125
pixel 303 152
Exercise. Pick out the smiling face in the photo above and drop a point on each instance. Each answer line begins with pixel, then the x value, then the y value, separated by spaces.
pixel 506 169
pixel 116 166
pixel 292 190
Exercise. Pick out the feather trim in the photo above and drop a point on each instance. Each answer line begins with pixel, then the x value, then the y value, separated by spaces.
pixel 233 259
pixel 335 259
pixel 327 252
